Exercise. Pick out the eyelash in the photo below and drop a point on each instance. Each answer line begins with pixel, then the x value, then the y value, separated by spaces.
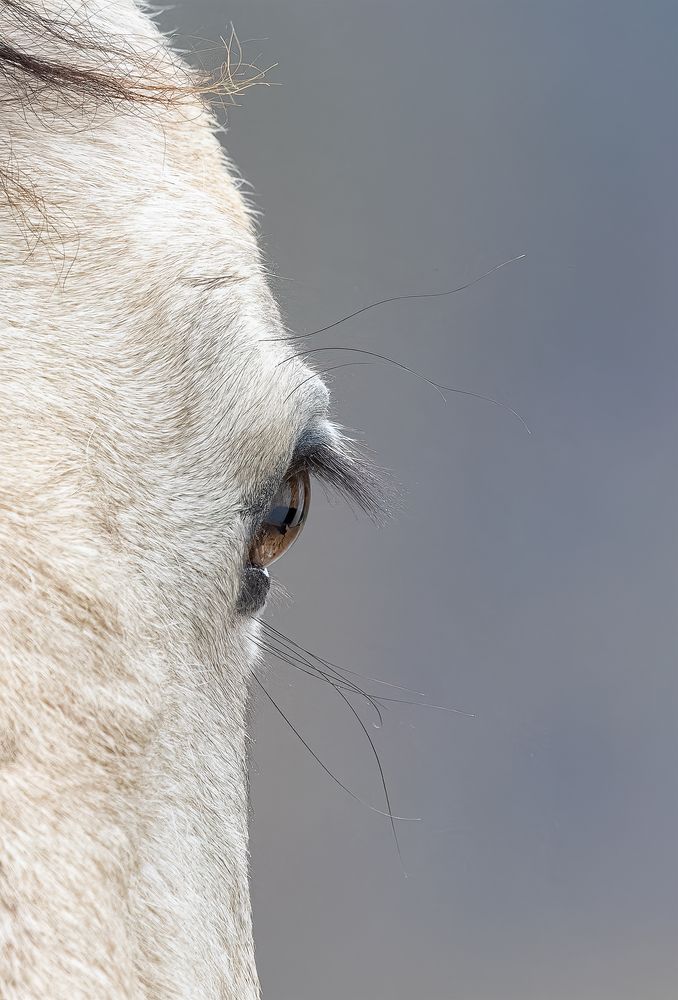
pixel 339 466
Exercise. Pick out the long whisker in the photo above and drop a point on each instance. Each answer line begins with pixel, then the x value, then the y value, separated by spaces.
pixel 427 704
pixel 312 671
pixel 376 701
pixel 401 298
pixel 338 689
pixel 438 386
pixel 311 661
pixel 382 776
pixel 325 371
pixel 380 812
pixel 336 666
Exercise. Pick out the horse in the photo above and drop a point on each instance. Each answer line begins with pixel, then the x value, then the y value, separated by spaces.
pixel 158 436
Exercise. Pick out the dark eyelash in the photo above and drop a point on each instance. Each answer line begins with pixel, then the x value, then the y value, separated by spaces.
pixel 342 467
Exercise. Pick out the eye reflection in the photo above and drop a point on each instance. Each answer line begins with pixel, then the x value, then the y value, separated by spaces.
pixel 283 521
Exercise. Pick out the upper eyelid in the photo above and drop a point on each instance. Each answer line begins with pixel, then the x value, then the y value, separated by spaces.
pixel 255 508
pixel 306 457
pixel 326 455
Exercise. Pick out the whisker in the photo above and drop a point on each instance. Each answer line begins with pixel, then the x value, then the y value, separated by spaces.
pixel 336 666
pixel 288 651
pixel 317 674
pixel 325 371
pixel 382 776
pixel 311 660
pixel 338 689
pixel 401 298
pixel 427 704
pixel 381 699
pixel 376 701
pixel 439 387
pixel 380 812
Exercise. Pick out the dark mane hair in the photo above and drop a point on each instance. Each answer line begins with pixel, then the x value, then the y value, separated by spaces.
pixel 62 70
pixel 87 66
pixel 83 64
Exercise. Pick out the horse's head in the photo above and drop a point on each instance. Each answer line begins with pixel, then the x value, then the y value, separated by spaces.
pixel 157 433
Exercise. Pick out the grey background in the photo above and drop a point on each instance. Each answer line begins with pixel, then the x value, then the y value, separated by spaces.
pixel 530 580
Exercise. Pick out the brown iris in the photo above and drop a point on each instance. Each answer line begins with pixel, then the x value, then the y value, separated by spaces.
pixel 283 521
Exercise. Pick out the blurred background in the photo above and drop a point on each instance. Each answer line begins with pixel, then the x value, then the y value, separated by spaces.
pixel 531 580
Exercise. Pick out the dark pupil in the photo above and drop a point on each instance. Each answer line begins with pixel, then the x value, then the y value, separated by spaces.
pixel 281 518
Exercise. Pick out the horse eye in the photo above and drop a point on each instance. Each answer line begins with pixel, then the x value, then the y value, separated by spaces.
pixel 283 521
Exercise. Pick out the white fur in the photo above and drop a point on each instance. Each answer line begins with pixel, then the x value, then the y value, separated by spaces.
pixel 138 407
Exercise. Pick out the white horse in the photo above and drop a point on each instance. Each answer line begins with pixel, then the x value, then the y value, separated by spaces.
pixel 157 434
